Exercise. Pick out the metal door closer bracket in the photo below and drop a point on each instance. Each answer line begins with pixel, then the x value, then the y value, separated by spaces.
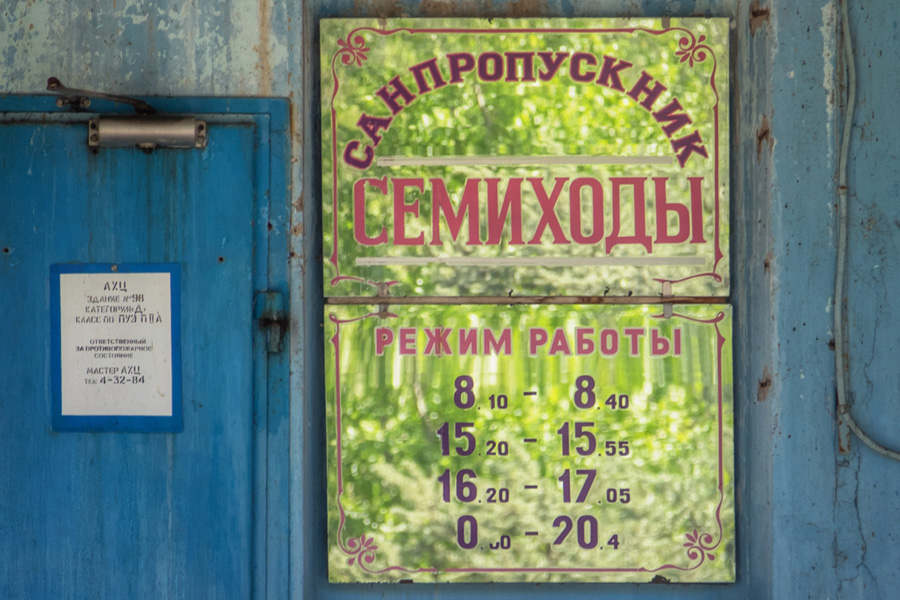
pixel 146 130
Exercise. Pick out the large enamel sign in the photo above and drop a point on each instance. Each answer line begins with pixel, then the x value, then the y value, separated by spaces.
pixel 487 185
pixel 549 157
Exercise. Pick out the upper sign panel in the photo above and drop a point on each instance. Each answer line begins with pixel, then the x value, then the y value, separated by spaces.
pixel 525 157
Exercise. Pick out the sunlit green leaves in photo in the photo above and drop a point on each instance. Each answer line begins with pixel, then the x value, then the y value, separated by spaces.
pixel 561 118
pixel 629 451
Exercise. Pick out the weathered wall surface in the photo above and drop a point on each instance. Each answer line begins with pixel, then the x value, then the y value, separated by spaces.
pixel 867 498
pixel 137 47
pixel 815 521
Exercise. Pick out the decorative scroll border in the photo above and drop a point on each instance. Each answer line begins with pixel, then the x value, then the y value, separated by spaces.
pixel 359 550
pixel 700 545
pixel 353 51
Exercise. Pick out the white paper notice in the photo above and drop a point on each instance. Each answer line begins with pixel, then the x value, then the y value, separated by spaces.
pixel 116 343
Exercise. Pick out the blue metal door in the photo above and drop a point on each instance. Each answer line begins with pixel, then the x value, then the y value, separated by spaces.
pixel 196 514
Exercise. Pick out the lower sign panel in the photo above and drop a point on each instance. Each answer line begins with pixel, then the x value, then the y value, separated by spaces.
pixel 546 443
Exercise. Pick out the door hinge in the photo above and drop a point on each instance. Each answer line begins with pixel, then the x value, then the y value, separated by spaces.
pixel 270 313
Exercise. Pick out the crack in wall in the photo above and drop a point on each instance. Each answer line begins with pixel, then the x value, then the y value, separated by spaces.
pixel 855 578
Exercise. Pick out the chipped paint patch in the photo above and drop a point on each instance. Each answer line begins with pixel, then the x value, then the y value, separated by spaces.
pixel 263 66
pixel 137 19
pixel 135 47
pixel 829 46
pixel 830 39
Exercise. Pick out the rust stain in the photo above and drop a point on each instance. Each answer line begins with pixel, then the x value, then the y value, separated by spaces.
pixel 763 134
pixel 443 8
pixel 297 229
pixel 765 384
pixel 528 8
pixel 758 16
pixel 262 48
pixel 382 9
pixel 386 9
pixel 474 8
pixel 292 118
pixel 843 436
pixel 767 262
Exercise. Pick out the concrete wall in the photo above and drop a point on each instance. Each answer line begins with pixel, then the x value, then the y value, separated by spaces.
pixel 817 518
